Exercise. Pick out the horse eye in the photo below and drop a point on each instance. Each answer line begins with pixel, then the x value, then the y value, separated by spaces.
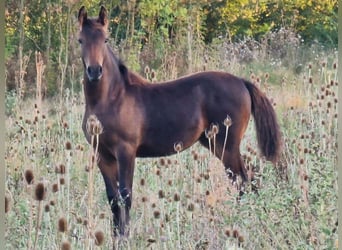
pixel 106 40
pixel 80 41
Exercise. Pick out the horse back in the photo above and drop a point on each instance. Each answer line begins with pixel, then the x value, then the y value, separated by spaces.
pixel 181 110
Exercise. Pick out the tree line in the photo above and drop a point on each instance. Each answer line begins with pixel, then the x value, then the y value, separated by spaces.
pixel 41 36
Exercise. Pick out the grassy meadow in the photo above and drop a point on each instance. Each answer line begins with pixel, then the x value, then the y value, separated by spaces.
pixel 55 197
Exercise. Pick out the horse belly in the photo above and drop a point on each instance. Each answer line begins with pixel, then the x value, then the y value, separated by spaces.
pixel 161 140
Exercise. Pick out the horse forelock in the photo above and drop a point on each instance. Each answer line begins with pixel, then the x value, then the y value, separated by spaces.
pixel 93 24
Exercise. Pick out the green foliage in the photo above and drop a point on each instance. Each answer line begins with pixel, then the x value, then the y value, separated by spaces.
pixel 146 31
pixel 311 19
pixel 11 101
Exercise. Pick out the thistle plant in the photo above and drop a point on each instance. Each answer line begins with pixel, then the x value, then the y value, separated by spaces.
pixel 94 129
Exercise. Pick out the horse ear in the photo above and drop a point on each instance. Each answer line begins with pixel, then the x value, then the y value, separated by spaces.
pixel 82 16
pixel 103 16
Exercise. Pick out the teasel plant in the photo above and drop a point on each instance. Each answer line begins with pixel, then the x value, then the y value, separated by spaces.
pixel 29 180
pixel 94 129
pixel 178 147
pixel 227 123
pixel 40 193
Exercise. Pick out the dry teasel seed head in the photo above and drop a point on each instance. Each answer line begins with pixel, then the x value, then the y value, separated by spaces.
pixel 61 181
pixel 235 233
pixel 60 169
pixel 191 207
pixel 178 146
pixel 147 70
pixel 55 187
pixel 153 75
pixel 161 194
pixel 40 191
pixel 162 162
pixel 209 134
pixel 79 220
pixel 228 121
pixel 195 156
pixel 68 145
pixel 227 232
pixel 215 129
pixel 176 197
pixel 99 237
pixel 62 225
pixel 85 222
pixel 65 125
pixel 29 176
pixel 94 126
pixel 65 245
pixel 156 214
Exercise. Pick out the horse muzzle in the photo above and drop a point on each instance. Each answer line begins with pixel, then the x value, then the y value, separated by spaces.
pixel 94 73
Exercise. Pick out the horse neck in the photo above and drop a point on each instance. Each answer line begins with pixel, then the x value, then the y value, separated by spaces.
pixel 109 88
pixel 137 79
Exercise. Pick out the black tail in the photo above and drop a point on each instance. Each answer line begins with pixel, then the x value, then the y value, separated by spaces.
pixel 267 128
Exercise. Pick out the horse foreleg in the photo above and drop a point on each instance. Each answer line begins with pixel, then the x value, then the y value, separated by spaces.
pixel 125 158
pixel 109 171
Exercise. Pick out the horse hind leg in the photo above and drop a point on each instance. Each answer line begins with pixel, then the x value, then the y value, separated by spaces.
pixel 234 165
pixel 231 158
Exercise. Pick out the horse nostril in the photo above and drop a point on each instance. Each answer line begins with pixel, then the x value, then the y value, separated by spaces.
pixel 94 72
pixel 89 70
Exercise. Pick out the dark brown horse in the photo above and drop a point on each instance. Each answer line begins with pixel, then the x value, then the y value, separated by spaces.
pixel 140 119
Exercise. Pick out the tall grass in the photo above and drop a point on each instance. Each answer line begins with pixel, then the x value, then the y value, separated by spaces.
pixel 184 201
